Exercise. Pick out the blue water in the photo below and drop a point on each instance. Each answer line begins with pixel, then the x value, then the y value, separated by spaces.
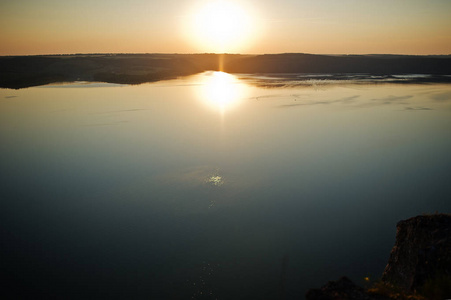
pixel 197 188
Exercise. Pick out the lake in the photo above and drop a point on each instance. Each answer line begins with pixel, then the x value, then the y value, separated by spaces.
pixel 214 186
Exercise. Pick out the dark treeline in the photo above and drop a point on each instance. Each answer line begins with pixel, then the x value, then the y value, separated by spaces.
pixel 25 71
pixel 373 64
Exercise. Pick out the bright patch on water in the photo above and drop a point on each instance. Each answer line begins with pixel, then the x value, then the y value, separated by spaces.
pixel 215 180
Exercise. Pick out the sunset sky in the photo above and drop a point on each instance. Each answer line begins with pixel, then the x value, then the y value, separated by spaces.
pixel 266 26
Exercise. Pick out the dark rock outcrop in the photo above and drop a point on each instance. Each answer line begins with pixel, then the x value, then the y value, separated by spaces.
pixel 422 252
pixel 419 266
pixel 342 289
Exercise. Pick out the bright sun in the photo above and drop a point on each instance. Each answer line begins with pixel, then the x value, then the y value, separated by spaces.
pixel 221 26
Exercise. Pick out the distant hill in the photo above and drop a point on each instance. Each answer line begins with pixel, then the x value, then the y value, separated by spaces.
pixel 25 71
pixel 374 64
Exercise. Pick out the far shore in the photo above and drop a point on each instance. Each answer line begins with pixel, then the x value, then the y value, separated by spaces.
pixel 26 71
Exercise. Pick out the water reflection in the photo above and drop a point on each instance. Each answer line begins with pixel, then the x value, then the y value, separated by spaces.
pixel 221 91
pixel 178 198
pixel 215 180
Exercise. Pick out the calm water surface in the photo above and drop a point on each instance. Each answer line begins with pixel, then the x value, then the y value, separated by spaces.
pixel 214 186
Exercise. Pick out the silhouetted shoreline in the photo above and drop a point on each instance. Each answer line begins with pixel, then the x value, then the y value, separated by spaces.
pixel 25 71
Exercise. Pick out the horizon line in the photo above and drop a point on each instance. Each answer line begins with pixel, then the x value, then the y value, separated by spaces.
pixel 215 53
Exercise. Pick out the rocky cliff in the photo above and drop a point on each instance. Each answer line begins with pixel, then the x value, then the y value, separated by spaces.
pixel 422 253
pixel 419 266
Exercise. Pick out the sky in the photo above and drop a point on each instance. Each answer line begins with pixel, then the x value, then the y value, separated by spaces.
pixel 29 27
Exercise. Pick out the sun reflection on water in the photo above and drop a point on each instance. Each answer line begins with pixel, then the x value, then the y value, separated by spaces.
pixel 221 91
pixel 215 180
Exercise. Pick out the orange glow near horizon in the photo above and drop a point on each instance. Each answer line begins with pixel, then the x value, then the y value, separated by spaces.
pixel 420 27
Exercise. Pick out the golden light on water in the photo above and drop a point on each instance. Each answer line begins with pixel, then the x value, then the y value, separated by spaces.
pixel 221 26
pixel 221 91
pixel 215 180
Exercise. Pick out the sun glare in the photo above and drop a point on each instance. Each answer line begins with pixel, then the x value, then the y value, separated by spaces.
pixel 221 91
pixel 221 26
